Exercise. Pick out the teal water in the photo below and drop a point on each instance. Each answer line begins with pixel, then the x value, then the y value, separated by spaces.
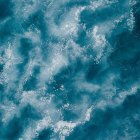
pixel 69 70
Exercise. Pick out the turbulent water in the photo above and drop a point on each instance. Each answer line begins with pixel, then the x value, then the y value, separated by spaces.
pixel 69 70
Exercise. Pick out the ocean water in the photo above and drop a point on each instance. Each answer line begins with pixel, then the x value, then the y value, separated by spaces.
pixel 69 70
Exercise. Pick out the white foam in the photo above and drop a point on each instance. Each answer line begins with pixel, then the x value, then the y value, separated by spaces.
pixel 9 74
pixel 68 27
pixel 25 8
pixel 64 128
pixel 131 20
pixel 85 86
pixel 9 110
pixel 58 57
pixel 96 4
pixel 100 43
pixel 88 113
pixel 55 63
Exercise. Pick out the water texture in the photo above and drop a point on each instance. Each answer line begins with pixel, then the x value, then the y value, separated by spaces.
pixel 69 70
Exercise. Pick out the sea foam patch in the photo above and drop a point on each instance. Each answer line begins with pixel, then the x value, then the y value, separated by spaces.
pixel 69 69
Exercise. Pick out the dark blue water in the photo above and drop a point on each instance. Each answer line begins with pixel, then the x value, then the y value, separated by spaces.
pixel 69 70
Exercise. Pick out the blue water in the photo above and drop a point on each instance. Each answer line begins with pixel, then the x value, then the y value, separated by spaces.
pixel 69 70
